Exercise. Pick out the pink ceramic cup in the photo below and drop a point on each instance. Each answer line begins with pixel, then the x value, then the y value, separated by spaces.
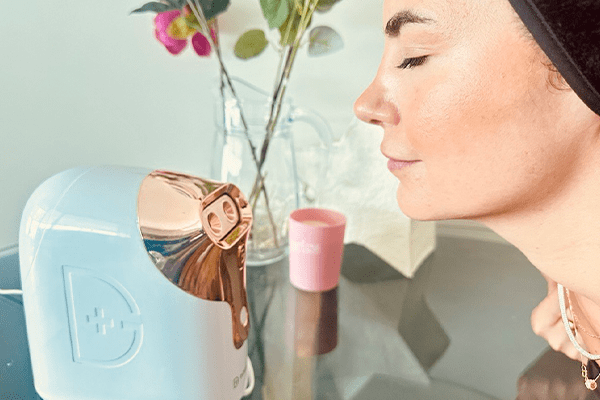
pixel 316 240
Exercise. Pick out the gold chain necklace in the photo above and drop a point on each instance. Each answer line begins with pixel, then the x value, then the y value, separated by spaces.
pixel 591 384
pixel 577 322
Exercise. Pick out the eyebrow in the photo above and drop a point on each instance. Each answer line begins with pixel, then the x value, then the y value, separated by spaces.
pixel 395 24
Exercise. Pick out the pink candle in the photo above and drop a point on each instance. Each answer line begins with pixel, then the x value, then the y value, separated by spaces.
pixel 315 223
pixel 316 239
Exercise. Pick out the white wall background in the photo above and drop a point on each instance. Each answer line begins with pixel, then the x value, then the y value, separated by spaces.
pixel 84 82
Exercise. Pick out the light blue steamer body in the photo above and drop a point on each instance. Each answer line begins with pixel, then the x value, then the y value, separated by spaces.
pixel 103 322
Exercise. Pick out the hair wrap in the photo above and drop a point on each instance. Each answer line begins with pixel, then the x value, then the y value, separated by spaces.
pixel 568 31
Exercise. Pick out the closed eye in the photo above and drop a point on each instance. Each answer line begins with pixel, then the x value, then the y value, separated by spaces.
pixel 412 62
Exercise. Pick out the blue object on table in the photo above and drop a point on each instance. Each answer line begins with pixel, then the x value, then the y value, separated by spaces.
pixel 108 318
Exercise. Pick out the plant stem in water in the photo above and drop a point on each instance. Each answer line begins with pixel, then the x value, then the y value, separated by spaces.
pixel 281 86
pixel 199 13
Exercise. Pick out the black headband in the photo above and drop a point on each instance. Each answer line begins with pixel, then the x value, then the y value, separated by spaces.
pixel 568 31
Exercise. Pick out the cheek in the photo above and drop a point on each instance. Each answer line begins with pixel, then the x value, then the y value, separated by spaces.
pixel 443 116
pixel 468 129
pixel 485 141
pixel 462 111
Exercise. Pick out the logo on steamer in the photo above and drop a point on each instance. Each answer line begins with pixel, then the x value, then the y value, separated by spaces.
pixel 238 378
pixel 304 247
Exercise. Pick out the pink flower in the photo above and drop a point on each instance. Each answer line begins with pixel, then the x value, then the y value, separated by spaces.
pixel 165 21
pixel 201 44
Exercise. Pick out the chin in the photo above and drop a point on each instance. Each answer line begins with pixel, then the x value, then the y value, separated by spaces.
pixel 421 210
pixel 418 212
pixel 421 216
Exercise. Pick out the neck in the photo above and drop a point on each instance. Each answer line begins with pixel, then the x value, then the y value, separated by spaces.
pixel 561 238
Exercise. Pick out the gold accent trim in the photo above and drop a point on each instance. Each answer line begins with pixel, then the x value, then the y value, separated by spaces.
pixel 195 232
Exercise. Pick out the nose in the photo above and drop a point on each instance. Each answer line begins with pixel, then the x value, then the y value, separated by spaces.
pixel 373 107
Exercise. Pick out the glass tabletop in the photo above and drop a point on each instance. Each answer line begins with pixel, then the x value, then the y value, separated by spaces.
pixel 352 342
pixel 376 336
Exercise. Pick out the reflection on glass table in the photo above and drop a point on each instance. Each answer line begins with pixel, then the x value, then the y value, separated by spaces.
pixel 373 337
pixel 377 336
pixel 554 376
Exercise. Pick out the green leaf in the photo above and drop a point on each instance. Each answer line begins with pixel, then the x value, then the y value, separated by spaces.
pixel 294 19
pixel 324 40
pixel 173 3
pixel 275 11
pixel 212 8
pixel 154 6
pixel 325 5
pixel 250 44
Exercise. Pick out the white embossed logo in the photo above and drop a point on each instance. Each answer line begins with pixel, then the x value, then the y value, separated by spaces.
pixel 304 247
pixel 104 319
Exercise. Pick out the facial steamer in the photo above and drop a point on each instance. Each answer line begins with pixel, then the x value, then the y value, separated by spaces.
pixel 134 286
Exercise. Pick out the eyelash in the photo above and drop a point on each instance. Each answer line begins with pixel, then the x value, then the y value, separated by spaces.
pixel 412 62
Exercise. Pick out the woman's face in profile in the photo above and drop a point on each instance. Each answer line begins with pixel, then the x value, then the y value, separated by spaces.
pixel 463 91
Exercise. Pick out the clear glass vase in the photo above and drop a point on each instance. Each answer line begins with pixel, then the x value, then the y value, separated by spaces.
pixel 240 127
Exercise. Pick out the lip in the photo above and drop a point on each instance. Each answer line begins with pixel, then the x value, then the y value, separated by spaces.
pixel 395 165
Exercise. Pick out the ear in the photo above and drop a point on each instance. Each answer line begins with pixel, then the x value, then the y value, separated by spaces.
pixel 555 79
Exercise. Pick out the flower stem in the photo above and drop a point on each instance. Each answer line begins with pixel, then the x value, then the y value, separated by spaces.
pixel 280 88
pixel 199 13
